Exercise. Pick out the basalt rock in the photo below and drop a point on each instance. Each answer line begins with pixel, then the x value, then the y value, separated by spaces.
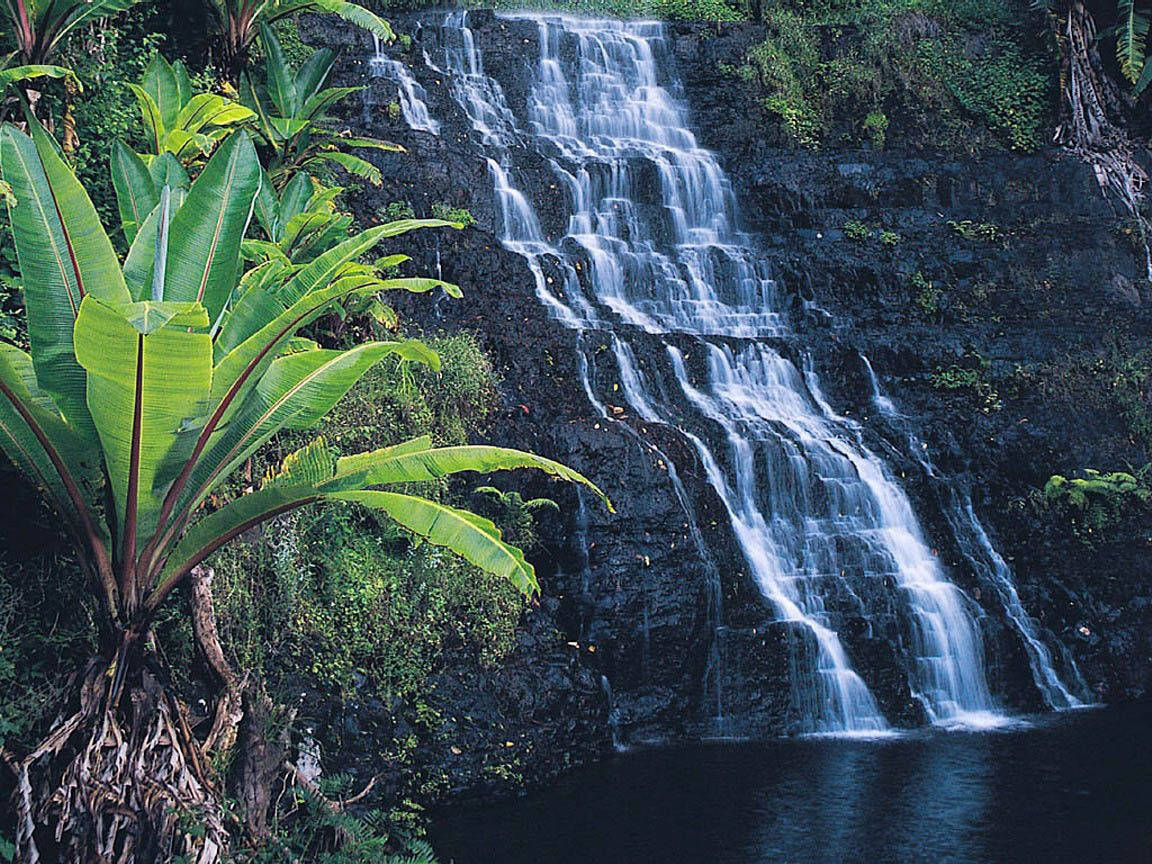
pixel 1011 269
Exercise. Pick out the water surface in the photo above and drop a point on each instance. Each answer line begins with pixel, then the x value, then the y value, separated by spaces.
pixel 1074 788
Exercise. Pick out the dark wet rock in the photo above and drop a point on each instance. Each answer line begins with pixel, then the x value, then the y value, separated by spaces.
pixel 1011 266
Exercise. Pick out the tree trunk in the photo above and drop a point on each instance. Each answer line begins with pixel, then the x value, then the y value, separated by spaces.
pixel 1091 122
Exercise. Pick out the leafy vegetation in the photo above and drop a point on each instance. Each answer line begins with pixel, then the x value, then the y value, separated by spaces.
pixel 856 230
pixel 929 297
pixel 388 604
pixel 969 379
pixel 985 232
pixel 150 382
pixel 291 104
pixel 952 74
pixel 241 21
pixel 40 28
pixel 1096 502
pixel 178 120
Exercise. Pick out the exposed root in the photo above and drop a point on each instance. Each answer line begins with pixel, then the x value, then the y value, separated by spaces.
pixel 134 791
pixel 229 707
pixel 1087 128
pixel 123 780
pixel 335 806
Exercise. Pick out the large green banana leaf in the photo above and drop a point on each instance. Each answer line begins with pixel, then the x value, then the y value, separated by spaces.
pixel 64 255
pixel 149 377
pixel 204 246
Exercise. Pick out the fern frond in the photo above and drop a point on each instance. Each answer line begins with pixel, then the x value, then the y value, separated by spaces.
pixel 1132 39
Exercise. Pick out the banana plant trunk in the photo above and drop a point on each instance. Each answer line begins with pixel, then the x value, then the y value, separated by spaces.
pixel 123 778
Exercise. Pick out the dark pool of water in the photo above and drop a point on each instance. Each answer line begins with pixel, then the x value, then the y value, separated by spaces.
pixel 1069 789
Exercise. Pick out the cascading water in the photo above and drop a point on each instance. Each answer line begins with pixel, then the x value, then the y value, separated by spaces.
pixel 652 247
pixel 413 97
pixel 976 546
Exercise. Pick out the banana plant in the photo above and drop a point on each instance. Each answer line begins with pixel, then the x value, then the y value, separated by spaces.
pixel 240 21
pixel 23 74
pixel 154 381
pixel 176 120
pixel 298 223
pixel 14 74
pixel 301 223
pixel 149 383
pixel 40 26
pixel 290 107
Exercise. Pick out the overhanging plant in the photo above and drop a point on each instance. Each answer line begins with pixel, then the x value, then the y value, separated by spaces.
pixel 149 382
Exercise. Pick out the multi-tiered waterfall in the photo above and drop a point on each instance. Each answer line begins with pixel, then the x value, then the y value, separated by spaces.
pixel 652 254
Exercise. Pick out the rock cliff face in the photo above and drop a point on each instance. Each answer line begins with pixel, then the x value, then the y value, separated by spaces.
pixel 997 311
pixel 1012 267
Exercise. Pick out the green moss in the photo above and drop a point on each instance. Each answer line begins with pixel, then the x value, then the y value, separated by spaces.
pixel 332 595
pixel 396 401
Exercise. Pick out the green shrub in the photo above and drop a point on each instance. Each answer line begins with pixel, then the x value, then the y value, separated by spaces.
pixel 962 74
pixel 997 86
pixel 971 379
pixel 337 591
pixel 857 231
pixel 448 213
pixel 1130 383
pixel 1096 503
pixel 786 67
pixel 396 401
pixel 928 297
pixel 985 232
pixel 876 128
pixel 397 210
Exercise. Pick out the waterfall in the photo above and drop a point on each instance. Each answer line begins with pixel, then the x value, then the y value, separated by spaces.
pixel 652 250
pixel 977 548
pixel 413 97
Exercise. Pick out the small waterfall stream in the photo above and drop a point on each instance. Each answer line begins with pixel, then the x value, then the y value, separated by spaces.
pixel 413 97
pixel 981 555
pixel 652 250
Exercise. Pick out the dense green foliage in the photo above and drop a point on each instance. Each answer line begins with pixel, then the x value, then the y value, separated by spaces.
pixel 872 71
pixel 672 10
pixel 154 378
pixel 327 590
